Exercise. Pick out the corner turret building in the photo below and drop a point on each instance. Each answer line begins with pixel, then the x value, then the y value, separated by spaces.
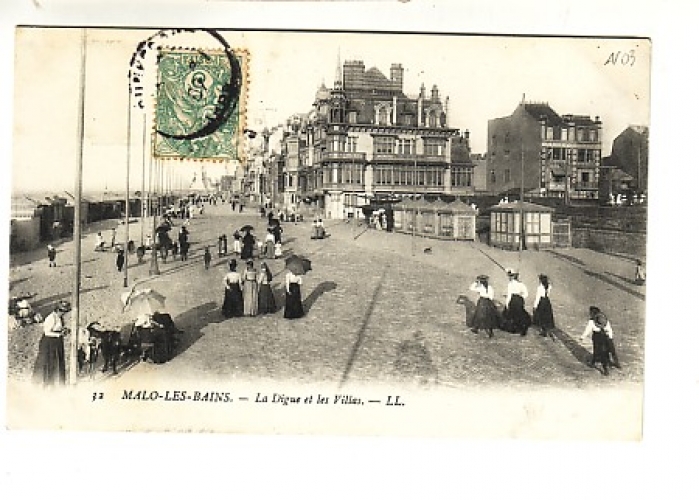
pixel 365 139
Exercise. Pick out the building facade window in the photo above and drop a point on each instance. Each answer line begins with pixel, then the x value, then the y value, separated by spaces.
pixel 493 179
pixel 586 155
pixel 432 119
pixel 357 174
pixel 434 147
pixel 384 145
pixel 337 144
pixel 558 154
pixel 460 177
pixel 383 116
pixel 405 147
pixel 506 176
pixel 351 144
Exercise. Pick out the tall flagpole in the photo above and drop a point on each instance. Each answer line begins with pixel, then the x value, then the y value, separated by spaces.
pixel 143 181
pixel 152 178
pixel 128 174
pixel 154 269
pixel 77 219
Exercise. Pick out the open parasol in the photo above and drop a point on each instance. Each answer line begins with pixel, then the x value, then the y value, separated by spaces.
pixel 246 228
pixel 140 302
pixel 298 265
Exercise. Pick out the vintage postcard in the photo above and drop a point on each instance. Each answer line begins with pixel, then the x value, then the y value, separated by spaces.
pixel 344 233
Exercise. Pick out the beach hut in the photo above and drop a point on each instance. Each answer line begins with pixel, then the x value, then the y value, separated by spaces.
pixel 399 216
pixel 408 215
pixel 443 226
pixel 458 221
pixel 425 215
pixel 25 224
pixel 506 226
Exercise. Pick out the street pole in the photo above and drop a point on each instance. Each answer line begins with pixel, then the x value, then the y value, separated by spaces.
pixel 521 206
pixel 414 214
pixel 77 219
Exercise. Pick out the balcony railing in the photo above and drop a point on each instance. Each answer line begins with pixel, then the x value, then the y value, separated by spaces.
pixel 343 155
pixel 393 157
pixel 557 186
pixel 586 185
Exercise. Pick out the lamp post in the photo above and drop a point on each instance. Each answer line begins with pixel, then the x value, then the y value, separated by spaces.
pixel 522 234
pixel 414 212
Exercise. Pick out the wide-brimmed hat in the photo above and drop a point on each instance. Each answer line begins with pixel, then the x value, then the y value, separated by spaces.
pixel 511 271
pixel 63 306
pixel 482 277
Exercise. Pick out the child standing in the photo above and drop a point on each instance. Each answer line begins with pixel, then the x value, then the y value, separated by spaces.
pixel 640 278
pixel 599 328
pixel 277 250
pixel 52 256
pixel 120 260
pixel 207 257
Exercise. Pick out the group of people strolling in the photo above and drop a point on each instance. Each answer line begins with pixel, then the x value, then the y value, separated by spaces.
pixel 516 319
pixel 249 293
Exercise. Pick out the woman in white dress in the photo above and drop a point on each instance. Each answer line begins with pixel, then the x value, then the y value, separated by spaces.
pixel 250 289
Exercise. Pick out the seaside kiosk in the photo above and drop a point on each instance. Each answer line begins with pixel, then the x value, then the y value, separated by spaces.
pixel 457 220
pixel 506 227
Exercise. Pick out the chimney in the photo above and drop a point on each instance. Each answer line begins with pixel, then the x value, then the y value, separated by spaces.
pixel 446 112
pixel 435 93
pixel 397 77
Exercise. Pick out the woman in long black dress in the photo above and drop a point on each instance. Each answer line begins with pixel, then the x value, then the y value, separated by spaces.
pixel 233 294
pixel 293 307
pixel 486 316
pixel 267 305
pixel 50 367
pixel 515 318
pixel 248 245
pixel 543 312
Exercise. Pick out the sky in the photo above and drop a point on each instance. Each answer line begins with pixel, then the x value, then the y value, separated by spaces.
pixel 484 76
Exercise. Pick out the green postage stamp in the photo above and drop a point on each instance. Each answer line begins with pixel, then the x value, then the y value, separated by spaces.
pixel 200 104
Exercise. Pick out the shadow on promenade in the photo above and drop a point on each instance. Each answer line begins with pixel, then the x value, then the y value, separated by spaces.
pixel 320 289
pixel 413 361
pixel 578 351
pixel 193 321
pixel 615 284
pixel 361 334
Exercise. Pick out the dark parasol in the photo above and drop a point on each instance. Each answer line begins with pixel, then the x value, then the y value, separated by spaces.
pixel 298 264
